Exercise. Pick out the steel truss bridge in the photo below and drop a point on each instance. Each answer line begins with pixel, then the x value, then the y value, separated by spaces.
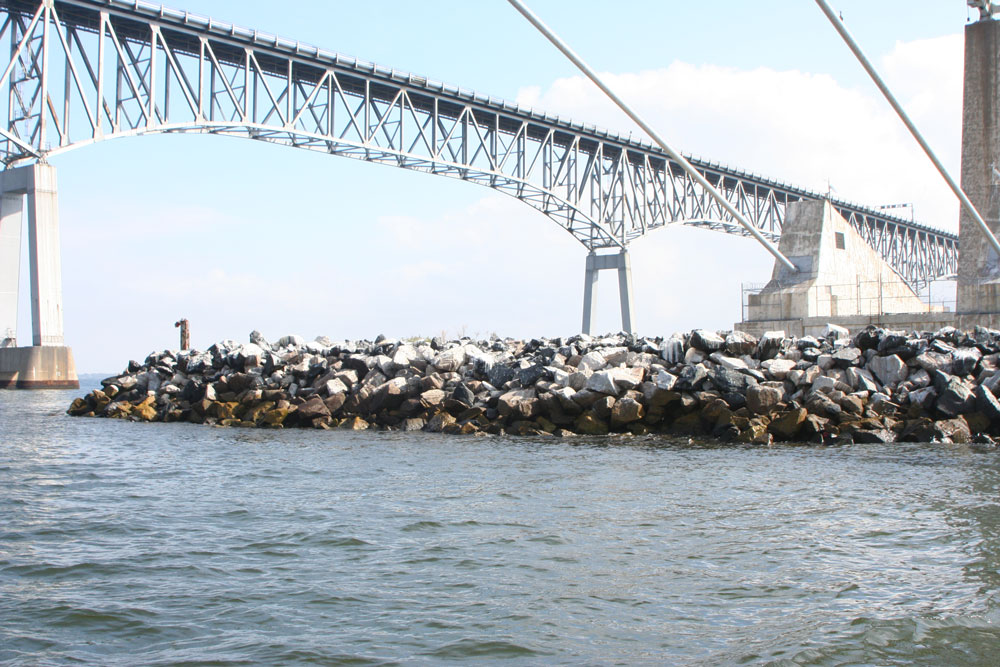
pixel 82 71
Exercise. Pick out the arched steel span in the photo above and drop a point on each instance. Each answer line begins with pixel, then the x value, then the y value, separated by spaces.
pixel 82 71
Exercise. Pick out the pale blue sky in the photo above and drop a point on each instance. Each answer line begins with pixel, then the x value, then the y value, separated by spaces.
pixel 237 235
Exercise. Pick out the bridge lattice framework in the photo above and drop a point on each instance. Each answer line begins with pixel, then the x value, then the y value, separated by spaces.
pixel 83 71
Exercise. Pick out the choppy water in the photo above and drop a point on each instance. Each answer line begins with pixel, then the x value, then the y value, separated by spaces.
pixel 127 543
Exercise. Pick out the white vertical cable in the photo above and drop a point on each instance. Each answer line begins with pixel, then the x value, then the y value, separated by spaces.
pixel 839 25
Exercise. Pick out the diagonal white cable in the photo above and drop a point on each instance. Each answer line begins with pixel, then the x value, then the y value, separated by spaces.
pixel 677 157
pixel 859 54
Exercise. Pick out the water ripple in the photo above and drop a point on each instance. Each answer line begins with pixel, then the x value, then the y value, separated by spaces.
pixel 172 544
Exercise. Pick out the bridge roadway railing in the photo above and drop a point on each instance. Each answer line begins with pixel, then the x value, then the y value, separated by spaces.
pixel 82 71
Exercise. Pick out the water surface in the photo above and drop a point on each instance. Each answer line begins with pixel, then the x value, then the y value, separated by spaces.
pixel 125 543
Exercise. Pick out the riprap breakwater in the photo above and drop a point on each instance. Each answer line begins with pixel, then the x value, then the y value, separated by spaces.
pixel 880 386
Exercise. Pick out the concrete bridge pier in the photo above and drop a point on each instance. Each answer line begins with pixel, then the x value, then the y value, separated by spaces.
pixel 596 263
pixel 978 264
pixel 47 363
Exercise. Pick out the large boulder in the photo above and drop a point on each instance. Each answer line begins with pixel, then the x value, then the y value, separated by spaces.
pixel 846 357
pixel 739 343
pixel 589 424
pixel 664 380
pixel 934 361
pixel 987 403
pixel 602 382
pixel 861 379
pixel 778 368
pixel 450 360
pixel 770 345
pixel 707 341
pixel 956 399
pixel 312 409
pixel 954 430
pixel 964 361
pixel 519 404
pixel 762 399
pixel 388 395
pixel 731 382
pixel 890 370
pixel 592 361
pixel 786 426
pixel 626 411
pixel 672 350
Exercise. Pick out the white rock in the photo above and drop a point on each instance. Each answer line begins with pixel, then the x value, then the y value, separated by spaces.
pixel 627 378
pixel 934 361
pixel 835 332
pixel 565 396
pixel 292 340
pixel 614 355
pixel 824 384
pixel 405 355
pixel 890 370
pixel 778 368
pixel 861 379
pixel 450 360
pixel 672 349
pixel 592 361
pixel 665 380
pixel 578 380
pixel 602 382
pixel 731 363
pixel 335 386
pixel 693 356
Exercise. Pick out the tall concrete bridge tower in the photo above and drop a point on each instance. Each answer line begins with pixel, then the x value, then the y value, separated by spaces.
pixel 47 362
pixel 978 264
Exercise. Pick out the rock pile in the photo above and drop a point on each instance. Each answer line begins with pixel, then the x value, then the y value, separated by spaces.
pixel 882 386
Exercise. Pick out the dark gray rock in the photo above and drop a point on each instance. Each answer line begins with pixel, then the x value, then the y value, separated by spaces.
pixel 868 339
pixel 739 343
pixel 987 403
pixel 707 341
pixel 890 343
pixel 874 437
pixel 464 395
pixel 965 360
pixel 770 345
pixel 532 374
pixel 730 381
pixel 500 374
pixel 691 377
pixel 847 356
pixel 312 409
pixel 956 399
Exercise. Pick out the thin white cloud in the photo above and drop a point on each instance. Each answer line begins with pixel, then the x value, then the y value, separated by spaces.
pixel 800 127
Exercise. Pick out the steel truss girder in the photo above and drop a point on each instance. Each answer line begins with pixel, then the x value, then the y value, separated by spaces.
pixel 82 71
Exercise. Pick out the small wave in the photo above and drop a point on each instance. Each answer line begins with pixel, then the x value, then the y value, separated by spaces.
pixel 339 542
pixel 421 525
pixel 50 570
pixel 474 648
